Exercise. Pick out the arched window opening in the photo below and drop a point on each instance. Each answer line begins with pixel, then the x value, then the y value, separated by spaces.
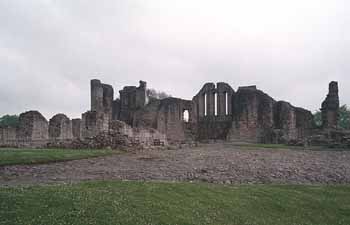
pixel 226 103
pixel 216 104
pixel 205 105
pixel 186 116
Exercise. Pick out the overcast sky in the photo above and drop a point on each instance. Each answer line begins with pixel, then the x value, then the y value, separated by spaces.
pixel 50 49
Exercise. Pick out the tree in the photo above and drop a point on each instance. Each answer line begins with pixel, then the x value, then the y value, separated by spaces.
pixel 152 93
pixel 318 118
pixel 9 121
pixel 344 117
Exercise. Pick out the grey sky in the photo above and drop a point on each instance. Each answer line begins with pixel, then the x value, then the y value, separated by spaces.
pixel 49 50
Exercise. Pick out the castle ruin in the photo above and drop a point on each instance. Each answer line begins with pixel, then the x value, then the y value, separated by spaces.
pixel 216 112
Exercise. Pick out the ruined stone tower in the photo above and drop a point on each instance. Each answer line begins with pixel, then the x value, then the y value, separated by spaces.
pixel 330 107
pixel 101 97
pixel 132 98
pixel 97 119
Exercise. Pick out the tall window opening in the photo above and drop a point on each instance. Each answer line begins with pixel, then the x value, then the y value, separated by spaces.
pixel 226 103
pixel 186 116
pixel 216 103
pixel 205 105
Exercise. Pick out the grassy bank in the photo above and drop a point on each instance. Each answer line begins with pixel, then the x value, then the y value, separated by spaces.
pixel 35 156
pixel 174 203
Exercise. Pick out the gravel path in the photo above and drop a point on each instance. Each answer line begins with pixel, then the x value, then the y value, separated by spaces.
pixel 215 163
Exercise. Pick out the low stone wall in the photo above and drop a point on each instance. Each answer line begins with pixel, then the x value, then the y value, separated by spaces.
pixel 332 138
pixel 32 127
pixel 92 123
pixel 136 136
pixel 8 136
pixel 32 132
pixel 76 128
pixel 60 127
pixel 118 135
pixel 214 128
pixel 94 131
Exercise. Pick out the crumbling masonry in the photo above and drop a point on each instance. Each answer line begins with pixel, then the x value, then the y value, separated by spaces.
pixel 330 107
pixel 216 112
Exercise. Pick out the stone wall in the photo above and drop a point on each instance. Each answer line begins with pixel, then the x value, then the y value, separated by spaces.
pixel 120 134
pixel 225 95
pixel 92 123
pixel 213 111
pixel 213 128
pixel 93 131
pixel 330 107
pixel 102 96
pixel 257 117
pixel 164 115
pixel 102 108
pixel 147 116
pixel 305 123
pixel 137 136
pixel 252 116
pixel 60 128
pixel 216 112
pixel 205 100
pixel 285 122
pixel 96 95
pixel 116 109
pixel 8 136
pixel 76 128
pixel 167 116
pixel 32 130
pixel 32 126
pixel 292 123
pixel 329 134
pixel 132 98
pixel 171 121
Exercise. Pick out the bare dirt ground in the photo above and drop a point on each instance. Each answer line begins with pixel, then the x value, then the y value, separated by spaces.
pixel 214 163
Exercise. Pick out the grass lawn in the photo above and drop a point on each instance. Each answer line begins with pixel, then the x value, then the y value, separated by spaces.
pixel 34 156
pixel 174 203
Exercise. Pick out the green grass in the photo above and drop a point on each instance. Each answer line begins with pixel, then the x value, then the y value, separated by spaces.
pixel 35 156
pixel 132 203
